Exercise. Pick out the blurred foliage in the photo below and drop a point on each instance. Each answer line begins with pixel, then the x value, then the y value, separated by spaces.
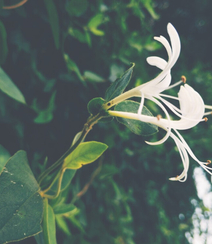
pixel 61 54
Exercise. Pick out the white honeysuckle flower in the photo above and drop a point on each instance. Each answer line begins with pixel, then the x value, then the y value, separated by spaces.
pixel 192 112
pixel 162 82
pixel 191 105
pixel 152 89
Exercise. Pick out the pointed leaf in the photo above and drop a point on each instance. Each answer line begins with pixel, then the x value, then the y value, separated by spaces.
pixel 119 85
pixel 49 229
pixel 148 4
pixel 21 206
pixel 90 76
pixel 136 126
pixel 4 156
pixel 8 87
pixel 1 4
pixel 85 153
pixel 39 238
pixel 46 115
pixel 94 23
pixel 61 222
pixel 76 7
pixel 72 66
pixel 54 21
pixel 3 43
pixel 65 209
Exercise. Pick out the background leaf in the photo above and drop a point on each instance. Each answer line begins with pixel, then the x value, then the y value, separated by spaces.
pixel 4 156
pixel 21 206
pixel 45 115
pixel 94 23
pixel 1 3
pixel 63 209
pixel 119 85
pixel 3 43
pixel 85 153
pixel 8 87
pixel 54 21
pixel 72 66
pixel 90 76
pixel 76 7
pixel 136 126
pixel 60 220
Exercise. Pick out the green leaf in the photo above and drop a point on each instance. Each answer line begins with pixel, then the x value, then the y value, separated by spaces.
pixel 136 126
pixel 39 238
pixel 76 7
pixel 72 66
pixel 119 85
pixel 8 87
pixel 46 115
pixel 85 153
pixel 90 76
pixel 65 209
pixel 79 35
pixel 95 105
pixel 1 4
pixel 3 43
pixel 54 21
pixel 148 5
pixel 62 224
pixel 21 206
pixel 49 229
pixel 94 23
pixel 4 156
pixel 66 181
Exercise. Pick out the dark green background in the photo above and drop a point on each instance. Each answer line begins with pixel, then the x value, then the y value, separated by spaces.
pixel 131 200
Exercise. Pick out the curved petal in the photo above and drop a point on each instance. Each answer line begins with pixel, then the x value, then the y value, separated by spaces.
pixel 173 53
pixel 168 129
pixel 165 43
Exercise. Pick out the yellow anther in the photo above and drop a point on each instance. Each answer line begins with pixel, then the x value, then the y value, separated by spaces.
pixel 206 119
pixel 159 116
pixel 183 78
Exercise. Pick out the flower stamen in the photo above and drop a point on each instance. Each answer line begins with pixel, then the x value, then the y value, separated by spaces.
pixel 183 79
pixel 208 162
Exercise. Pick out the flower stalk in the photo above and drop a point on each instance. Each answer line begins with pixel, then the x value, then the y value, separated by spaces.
pixel 92 120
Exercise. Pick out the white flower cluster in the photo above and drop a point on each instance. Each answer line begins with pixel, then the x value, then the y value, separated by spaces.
pixel 191 109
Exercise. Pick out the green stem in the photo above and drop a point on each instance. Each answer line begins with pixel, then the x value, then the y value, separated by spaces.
pixel 87 127
pixel 58 187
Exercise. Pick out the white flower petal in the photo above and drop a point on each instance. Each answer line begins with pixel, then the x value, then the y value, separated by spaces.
pixel 165 43
pixel 157 61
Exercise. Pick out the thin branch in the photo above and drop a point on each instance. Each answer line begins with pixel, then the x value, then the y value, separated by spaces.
pixel 16 5
pixel 87 127
pixel 42 193
pixel 93 176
